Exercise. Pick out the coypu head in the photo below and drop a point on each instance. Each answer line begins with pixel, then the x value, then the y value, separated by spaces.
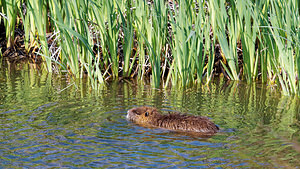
pixel 143 115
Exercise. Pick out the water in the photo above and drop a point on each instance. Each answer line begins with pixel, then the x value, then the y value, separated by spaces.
pixel 47 122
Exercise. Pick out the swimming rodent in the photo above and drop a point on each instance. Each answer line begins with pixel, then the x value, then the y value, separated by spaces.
pixel 151 117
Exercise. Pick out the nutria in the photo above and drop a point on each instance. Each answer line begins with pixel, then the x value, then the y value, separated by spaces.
pixel 150 116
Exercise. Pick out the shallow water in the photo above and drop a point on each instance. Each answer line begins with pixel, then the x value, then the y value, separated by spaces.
pixel 46 121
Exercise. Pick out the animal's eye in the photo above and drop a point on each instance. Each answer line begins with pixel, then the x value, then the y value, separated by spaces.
pixel 146 114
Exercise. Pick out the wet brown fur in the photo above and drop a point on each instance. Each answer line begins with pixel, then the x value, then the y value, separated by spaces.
pixel 150 116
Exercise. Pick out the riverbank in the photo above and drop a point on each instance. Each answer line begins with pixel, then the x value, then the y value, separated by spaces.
pixel 177 42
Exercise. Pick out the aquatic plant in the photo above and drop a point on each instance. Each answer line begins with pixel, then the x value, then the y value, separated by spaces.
pixel 176 42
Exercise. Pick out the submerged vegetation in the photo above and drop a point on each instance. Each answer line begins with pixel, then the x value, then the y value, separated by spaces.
pixel 179 42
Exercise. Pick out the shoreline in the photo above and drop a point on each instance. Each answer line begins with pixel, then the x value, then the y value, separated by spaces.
pixel 184 43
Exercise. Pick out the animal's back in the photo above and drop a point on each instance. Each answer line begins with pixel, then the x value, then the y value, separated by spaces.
pixel 177 121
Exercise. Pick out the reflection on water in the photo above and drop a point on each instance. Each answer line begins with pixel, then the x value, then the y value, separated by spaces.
pixel 45 124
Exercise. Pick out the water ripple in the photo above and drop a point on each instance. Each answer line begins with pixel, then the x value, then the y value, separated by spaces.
pixel 77 128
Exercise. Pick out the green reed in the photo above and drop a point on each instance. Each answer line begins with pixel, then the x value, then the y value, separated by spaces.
pixel 246 15
pixel 112 33
pixel 264 60
pixel 76 41
pixel 259 40
pixel 127 39
pixel 142 26
pixel 156 39
pixel 224 21
pixel 284 28
pixel 10 10
pixel 187 48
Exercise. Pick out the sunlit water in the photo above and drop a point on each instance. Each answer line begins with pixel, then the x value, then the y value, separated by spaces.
pixel 46 124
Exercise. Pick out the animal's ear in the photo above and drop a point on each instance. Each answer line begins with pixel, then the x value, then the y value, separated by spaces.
pixel 154 111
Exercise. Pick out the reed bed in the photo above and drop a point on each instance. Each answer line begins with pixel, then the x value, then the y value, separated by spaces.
pixel 174 42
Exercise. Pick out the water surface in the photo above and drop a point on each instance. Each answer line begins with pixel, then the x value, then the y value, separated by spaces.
pixel 46 121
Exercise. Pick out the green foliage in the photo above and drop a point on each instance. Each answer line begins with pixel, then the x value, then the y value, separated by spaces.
pixel 246 15
pixel 226 29
pixel 259 40
pixel 10 9
pixel 128 39
pixel 284 26
pixel 187 46
pixel 142 26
